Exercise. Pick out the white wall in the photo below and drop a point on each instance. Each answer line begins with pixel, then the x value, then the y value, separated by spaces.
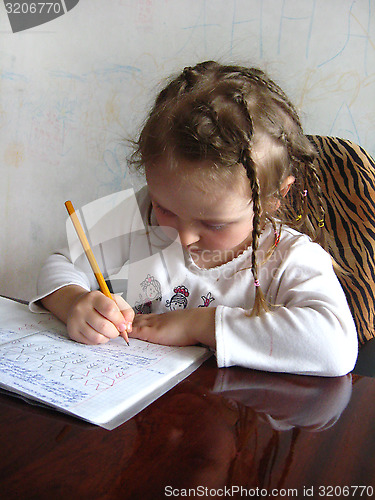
pixel 71 89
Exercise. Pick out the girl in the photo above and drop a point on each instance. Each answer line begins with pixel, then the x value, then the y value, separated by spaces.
pixel 220 149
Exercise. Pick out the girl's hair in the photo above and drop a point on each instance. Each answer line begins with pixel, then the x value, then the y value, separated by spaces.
pixel 227 115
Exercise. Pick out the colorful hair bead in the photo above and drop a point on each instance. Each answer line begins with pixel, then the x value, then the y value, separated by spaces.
pixel 277 238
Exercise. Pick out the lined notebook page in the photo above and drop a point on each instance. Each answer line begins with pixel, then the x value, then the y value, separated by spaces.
pixel 105 384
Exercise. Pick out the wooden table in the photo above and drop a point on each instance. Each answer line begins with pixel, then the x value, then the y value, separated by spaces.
pixel 216 432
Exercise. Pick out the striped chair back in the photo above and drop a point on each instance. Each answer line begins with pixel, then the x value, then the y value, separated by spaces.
pixel 348 186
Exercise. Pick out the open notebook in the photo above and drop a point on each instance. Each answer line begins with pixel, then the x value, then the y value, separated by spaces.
pixel 105 384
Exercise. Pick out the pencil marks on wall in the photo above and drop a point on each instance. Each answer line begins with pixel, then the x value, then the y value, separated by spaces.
pixel 71 94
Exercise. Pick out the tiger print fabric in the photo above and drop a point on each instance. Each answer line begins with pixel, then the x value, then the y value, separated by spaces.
pixel 348 186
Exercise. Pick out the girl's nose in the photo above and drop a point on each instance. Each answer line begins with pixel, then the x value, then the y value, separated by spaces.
pixel 187 233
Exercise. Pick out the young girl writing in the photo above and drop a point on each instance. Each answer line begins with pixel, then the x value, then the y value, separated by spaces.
pixel 220 149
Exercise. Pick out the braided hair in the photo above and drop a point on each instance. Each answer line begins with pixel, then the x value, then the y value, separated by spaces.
pixel 225 114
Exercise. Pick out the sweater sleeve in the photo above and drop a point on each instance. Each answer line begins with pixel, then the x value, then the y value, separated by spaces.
pixel 57 272
pixel 309 329
pixel 112 234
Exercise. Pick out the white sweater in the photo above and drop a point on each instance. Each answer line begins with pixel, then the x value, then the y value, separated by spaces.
pixel 309 330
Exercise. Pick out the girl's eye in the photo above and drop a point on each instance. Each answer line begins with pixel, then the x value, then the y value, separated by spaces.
pixel 162 210
pixel 213 227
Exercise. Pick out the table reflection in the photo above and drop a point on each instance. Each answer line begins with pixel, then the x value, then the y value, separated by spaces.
pixel 242 431
pixel 286 401
pixel 216 429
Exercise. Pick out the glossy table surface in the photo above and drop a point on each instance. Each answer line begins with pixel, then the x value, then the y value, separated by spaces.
pixel 216 432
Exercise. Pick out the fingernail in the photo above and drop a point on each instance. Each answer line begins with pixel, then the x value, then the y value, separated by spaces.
pixel 129 327
pixel 122 327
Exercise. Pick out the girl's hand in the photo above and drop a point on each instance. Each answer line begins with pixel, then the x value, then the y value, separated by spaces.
pixel 180 328
pixel 94 318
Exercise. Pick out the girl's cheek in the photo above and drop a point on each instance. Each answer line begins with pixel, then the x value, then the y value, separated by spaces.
pixel 219 241
pixel 229 239
pixel 162 221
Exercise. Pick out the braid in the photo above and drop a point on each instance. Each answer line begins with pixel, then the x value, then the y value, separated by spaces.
pixel 191 76
pixel 263 81
pixel 310 196
pixel 319 209
pixel 260 304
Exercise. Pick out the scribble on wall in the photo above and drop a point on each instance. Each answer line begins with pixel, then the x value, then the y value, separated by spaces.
pixel 72 91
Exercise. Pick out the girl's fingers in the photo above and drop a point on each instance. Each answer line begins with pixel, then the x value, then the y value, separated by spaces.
pixel 99 325
pixel 127 316
pixel 87 335
pixel 109 309
pixel 96 319
pixel 90 337
pixel 125 309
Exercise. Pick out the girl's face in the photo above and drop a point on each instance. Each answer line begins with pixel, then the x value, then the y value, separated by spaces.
pixel 213 218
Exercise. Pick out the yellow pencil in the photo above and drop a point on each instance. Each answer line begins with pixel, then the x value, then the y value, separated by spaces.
pixel 89 254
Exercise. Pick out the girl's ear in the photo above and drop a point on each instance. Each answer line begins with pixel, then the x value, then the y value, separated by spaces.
pixel 286 185
pixel 284 188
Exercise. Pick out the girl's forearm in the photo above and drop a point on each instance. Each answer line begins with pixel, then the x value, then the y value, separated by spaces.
pixel 61 301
